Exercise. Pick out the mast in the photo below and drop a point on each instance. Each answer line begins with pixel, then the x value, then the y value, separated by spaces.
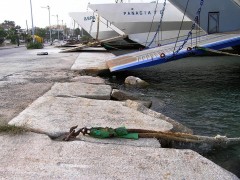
pixel 98 19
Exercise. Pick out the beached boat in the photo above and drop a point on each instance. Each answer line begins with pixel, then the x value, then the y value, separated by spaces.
pixel 141 21
pixel 94 25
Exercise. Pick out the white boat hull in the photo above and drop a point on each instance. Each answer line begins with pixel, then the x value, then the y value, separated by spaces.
pixel 140 21
pixel 89 22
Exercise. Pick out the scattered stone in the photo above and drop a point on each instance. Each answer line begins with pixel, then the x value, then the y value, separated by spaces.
pixel 35 156
pixel 147 104
pixel 88 80
pixel 78 89
pixel 123 95
pixel 131 80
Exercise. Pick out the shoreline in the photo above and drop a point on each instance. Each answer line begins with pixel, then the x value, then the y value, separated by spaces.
pixel 76 102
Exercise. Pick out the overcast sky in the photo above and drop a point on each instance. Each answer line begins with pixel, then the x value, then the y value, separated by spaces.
pixel 19 11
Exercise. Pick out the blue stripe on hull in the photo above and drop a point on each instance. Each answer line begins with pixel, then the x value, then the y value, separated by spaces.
pixel 182 54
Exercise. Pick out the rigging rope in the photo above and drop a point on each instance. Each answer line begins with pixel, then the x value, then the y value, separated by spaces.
pixel 160 23
pixel 181 25
pixel 190 32
pixel 152 22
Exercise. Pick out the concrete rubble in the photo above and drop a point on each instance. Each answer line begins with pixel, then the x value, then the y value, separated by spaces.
pixel 85 101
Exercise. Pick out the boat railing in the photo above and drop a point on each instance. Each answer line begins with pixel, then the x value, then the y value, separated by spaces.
pixel 237 2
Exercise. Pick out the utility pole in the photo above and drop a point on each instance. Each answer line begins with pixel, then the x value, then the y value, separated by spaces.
pixel 27 26
pixel 33 30
pixel 50 30
pixel 62 29
pixel 57 26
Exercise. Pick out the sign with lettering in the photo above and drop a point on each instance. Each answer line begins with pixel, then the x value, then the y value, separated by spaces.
pixel 126 13
pixel 88 18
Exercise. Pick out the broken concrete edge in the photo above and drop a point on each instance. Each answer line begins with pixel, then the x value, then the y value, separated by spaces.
pixel 121 95
pixel 81 89
pixel 91 71
pixel 89 79
pixel 136 105
pixel 177 127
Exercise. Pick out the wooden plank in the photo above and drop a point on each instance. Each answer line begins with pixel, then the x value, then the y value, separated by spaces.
pixel 120 61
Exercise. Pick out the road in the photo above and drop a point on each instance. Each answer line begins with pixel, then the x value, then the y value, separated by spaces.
pixel 10 51
pixel 25 76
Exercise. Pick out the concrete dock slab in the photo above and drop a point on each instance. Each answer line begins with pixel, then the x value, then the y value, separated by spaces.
pixel 78 89
pixel 55 115
pixel 92 63
pixel 35 156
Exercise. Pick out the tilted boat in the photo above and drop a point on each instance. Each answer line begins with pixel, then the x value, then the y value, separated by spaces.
pixel 142 21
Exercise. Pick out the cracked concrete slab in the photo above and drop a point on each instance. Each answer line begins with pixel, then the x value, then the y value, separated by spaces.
pixel 92 63
pixel 55 115
pixel 78 89
pixel 35 156
pixel 88 79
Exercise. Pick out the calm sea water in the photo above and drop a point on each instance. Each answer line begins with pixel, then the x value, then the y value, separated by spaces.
pixel 202 93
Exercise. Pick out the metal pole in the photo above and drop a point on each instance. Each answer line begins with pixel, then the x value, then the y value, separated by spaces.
pixel 98 19
pixel 63 30
pixel 33 33
pixel 27 26
pixel 57 27
pixel 50 30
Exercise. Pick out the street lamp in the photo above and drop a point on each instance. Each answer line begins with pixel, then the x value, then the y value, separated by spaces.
pixel 57 25
pixel 33 33
pixel 50 31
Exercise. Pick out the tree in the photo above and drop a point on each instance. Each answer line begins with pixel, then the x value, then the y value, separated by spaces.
pixel 41 32
pixel 12 35
pixel 11 30
pixel 8 24
pixel 2 35
pixel 77 32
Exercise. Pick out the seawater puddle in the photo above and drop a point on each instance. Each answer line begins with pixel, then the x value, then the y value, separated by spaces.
pixel 202 93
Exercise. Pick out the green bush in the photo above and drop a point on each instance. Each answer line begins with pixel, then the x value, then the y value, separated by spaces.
pixel 1 40
pixel 34 45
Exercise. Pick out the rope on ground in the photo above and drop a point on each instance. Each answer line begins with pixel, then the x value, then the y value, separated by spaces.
pixel 122 132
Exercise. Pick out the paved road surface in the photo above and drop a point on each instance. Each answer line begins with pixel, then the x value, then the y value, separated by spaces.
pixel 24 76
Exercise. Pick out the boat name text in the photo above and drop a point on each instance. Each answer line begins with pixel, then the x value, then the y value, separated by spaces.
pixel 88 18
pixel 126 13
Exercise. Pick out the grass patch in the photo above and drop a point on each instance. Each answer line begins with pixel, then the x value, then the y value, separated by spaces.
pixel 14 130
